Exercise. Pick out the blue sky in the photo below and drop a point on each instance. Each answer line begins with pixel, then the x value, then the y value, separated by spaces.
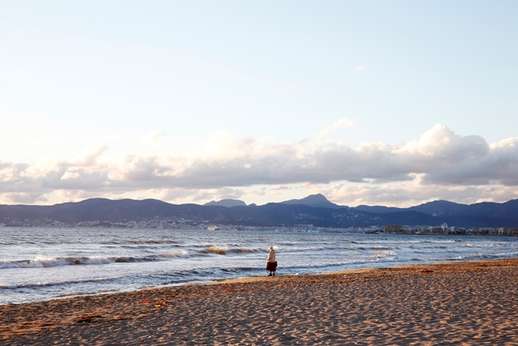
pixel 76 77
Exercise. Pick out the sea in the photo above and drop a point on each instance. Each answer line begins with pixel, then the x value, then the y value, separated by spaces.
pixel 39 264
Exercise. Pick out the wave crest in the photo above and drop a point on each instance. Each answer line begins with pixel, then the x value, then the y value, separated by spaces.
pixel 44 262
pixel 223 250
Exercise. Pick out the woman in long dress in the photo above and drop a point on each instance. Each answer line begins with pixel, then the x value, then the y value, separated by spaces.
pixel 271 262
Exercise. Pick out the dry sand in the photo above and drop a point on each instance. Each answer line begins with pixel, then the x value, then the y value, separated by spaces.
pixel 471 303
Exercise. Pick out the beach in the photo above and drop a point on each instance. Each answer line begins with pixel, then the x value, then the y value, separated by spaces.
pixel 448 303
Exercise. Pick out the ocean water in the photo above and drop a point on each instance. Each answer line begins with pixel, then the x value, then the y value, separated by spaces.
pixel 45 263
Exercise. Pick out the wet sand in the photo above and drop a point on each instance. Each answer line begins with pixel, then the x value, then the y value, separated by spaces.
pixel 454 303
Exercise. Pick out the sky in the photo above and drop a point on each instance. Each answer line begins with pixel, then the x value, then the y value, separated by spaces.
pixel 368 102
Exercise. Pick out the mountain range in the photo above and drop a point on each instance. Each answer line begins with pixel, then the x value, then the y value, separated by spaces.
pixel 314 210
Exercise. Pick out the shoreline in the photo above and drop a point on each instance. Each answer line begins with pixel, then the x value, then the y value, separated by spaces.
pixel 258 278
pixel 341 299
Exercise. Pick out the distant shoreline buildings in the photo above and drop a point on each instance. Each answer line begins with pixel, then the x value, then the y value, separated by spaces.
pixel 444 229
pixel 181 223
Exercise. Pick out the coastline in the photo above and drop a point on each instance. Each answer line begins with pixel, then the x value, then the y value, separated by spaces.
pixel 463 301
pixel 261 278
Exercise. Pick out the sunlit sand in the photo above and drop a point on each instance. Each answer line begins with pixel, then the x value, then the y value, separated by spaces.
pixel 472 302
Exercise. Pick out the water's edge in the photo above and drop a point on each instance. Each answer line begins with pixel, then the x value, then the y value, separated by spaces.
pixel 264 278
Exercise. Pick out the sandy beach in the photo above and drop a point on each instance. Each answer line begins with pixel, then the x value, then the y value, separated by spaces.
pixel 451 303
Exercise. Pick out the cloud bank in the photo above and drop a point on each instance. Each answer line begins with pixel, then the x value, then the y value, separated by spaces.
pixel 463 167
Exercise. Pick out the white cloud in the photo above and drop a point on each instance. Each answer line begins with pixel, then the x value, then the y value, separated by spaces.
pixel 438 164
pixel 413 192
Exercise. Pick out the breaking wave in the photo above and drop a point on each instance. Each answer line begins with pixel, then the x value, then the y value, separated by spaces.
pixel 44 261
pixel 49 261
pixel 223 250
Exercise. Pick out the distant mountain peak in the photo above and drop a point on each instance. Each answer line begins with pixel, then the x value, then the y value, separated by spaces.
pixel 440 202
pixel 318 196
pixel 314 200
pixel 227 202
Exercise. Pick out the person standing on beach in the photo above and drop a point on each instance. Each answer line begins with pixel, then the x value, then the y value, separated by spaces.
pixel 271 262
